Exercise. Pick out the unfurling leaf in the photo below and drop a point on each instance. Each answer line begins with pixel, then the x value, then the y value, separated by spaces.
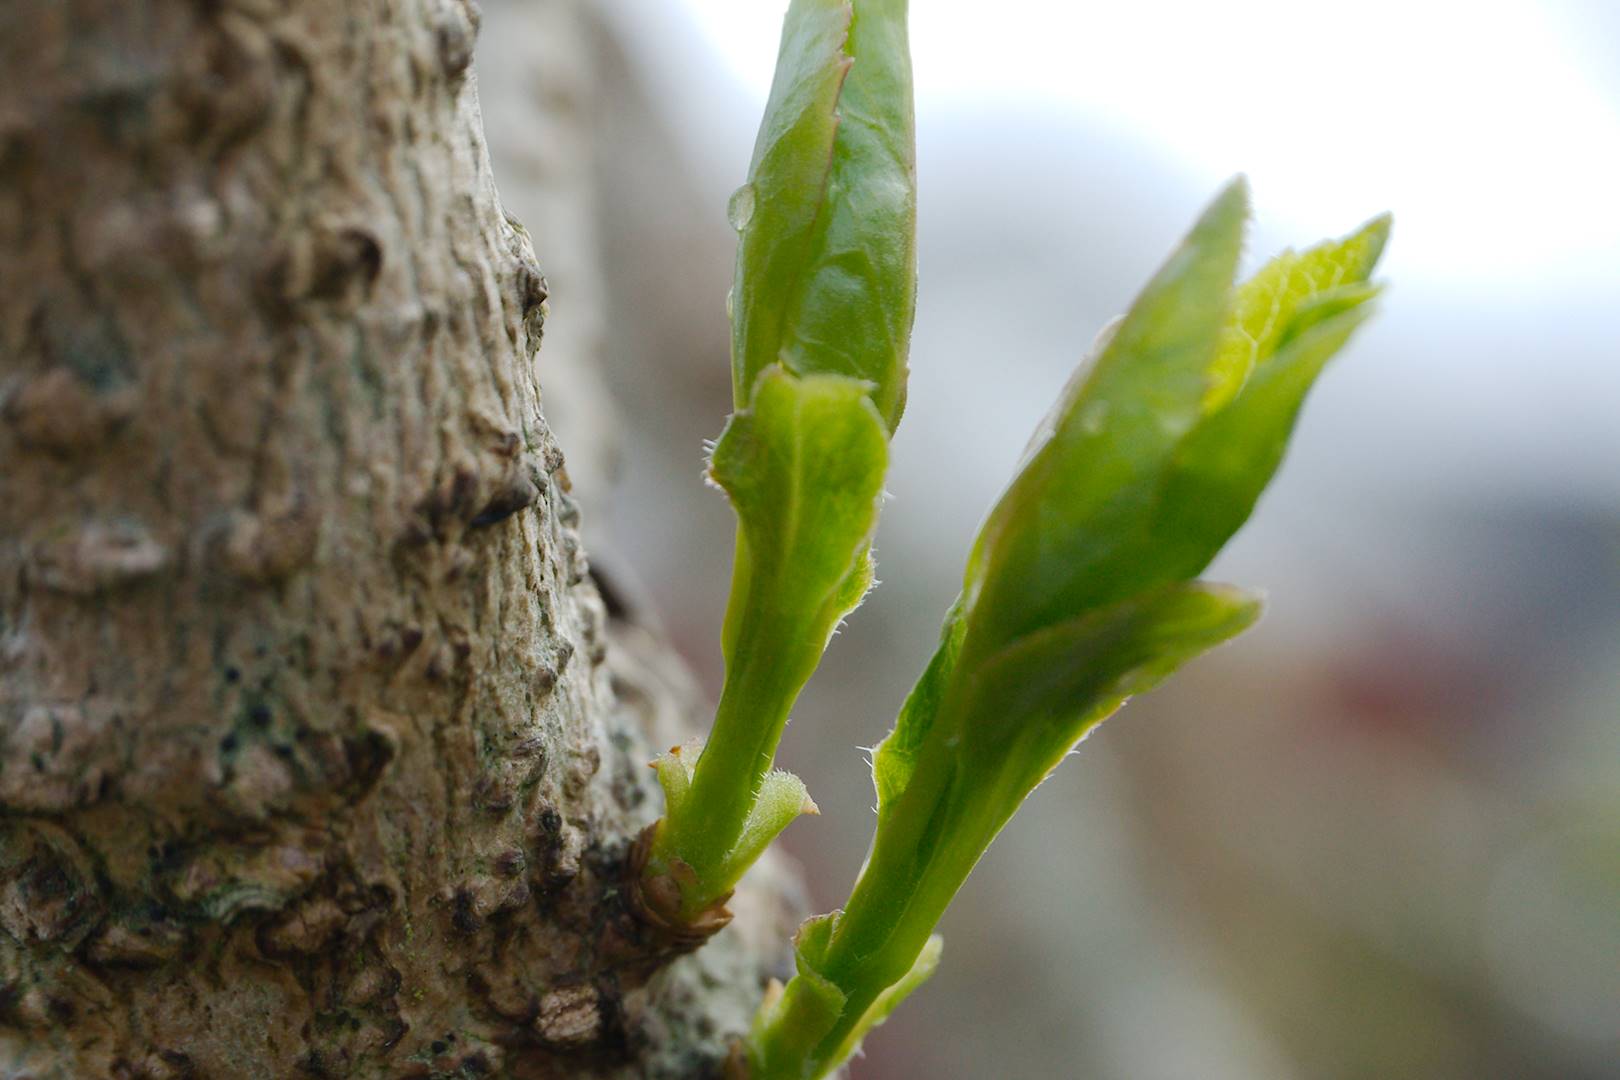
pixel 1079 591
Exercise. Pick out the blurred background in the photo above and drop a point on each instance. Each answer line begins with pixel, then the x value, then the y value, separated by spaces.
pixel 1379 836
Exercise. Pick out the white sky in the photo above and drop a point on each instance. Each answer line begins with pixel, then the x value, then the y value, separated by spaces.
pixel 1487 125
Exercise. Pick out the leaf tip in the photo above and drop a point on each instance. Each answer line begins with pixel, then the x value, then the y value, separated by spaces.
pixel 1231 206
pixel 1376 233
pixel 1216 239
pixel 1243 606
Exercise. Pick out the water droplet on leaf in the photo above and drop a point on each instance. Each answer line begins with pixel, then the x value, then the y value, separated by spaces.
pixel 740 209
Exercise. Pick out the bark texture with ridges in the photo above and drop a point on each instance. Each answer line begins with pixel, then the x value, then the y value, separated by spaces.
pixel 315 756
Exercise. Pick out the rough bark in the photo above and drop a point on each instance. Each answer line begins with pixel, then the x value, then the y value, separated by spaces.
pixel 319 753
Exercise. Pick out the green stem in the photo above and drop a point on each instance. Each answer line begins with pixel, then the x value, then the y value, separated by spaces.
pixel 897 902
pixel 763 680
pixel 924 850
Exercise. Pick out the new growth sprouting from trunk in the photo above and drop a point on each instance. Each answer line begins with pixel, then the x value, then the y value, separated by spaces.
pixel 1081 589
pixel 821 309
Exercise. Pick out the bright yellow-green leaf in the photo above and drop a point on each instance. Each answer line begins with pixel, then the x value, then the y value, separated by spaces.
pixel 1266 304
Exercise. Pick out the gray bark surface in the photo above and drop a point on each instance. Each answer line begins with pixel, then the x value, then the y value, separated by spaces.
pixel 319 753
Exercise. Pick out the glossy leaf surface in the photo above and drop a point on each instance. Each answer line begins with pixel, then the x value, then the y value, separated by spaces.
pixel 826 261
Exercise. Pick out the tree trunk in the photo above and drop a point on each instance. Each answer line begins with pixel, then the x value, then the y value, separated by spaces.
pixel 319 754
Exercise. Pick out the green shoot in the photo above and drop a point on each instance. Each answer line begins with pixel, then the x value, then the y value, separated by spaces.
pixel 821 310
pixel 1080 591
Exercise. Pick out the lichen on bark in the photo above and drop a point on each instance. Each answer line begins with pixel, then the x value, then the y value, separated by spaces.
pixel 319 754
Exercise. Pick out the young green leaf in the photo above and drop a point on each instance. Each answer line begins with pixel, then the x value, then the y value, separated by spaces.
pixel 1267 304
pixel 1079 591
pixel 826 262
pixel 1045 691
pixel 803 467
pixel 821 309
pixel 1062 537
pixel 895 758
